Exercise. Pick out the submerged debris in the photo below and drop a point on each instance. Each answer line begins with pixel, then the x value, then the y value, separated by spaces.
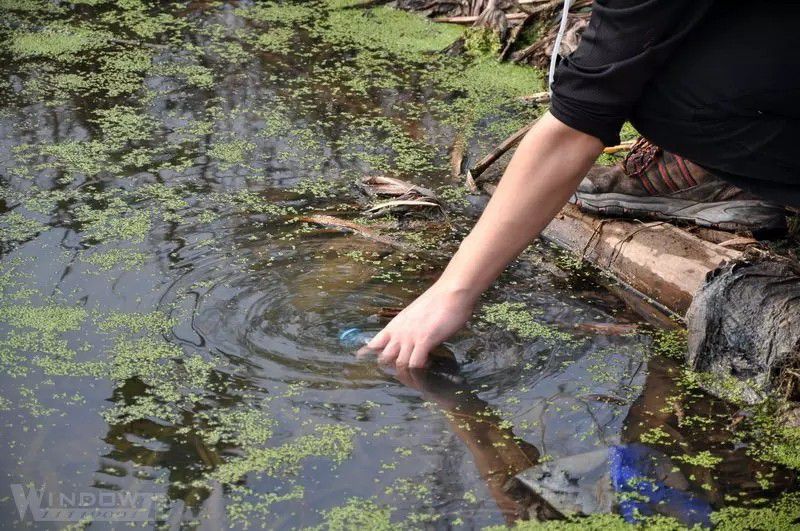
pixel 351 226
pixel 406 197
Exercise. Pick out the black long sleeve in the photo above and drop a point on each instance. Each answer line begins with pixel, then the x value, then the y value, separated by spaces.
pixel 623 46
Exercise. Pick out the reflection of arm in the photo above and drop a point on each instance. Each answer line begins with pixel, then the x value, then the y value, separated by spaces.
pixel 497 453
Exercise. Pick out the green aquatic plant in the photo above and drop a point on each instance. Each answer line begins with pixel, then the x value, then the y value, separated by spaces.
pixel 247 202
pixel 516 318
pixel 87 158
pixel 703 459
pixel 59 42
pixel 246 427
pixel 275 40
pixel 122 124
pixel 55 89
pixel 482 42
pixel 385 29
pixel 317 188
pixel 16 227
pixel 29 6
pixel 671 343
pixel 140 19
pixel 332 441
pixel 194 75
pixel 782 515
pixel 122 71
pixel 248 507
pixel 358 513
pixel 655 435
pixel 48 319
pixel 117 221
pixel 231 153
pixel 773 439
pixel 277 13
pixel 36 331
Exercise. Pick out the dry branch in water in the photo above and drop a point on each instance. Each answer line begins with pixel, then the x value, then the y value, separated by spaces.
pixel 377 185
pixel 350 226
pixel 537 97
pixel 625 146
pixel 475 172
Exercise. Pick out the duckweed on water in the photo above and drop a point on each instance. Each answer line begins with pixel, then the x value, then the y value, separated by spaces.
pixel 671 343
pixel 15 227
pixel 285 14
pixel 115 222
pixel 702 459
pixel 58 42
pixel 331 441
pixel 386 29
pixel 358 513
pixel 516 318
pixel 76 157
pixel 231 153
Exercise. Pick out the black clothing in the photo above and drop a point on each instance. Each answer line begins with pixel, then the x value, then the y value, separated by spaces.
pixel 717 82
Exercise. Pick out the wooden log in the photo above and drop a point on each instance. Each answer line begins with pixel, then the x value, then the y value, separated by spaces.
pixel 657 259
pixel 664 264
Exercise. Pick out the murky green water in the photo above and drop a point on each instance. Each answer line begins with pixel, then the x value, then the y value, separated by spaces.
pixel 168 323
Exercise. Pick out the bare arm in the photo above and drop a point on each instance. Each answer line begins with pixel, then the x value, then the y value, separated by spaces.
pixel 545 170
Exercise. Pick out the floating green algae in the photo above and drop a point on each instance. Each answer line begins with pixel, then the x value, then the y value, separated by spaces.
pixel 117 221
pixel 57 41
pixel 385 29
pixel 231 153
pixel 516 318
pixel 358 514
pixel 334 442
pixel 671 343
pixel 18 227
pixel 285 14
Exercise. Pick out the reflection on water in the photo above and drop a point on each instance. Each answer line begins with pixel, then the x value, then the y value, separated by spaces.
pixel 169 325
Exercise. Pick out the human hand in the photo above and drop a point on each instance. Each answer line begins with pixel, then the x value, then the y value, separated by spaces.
pixel 433 317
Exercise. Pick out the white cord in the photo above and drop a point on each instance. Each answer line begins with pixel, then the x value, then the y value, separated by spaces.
pixel 562 28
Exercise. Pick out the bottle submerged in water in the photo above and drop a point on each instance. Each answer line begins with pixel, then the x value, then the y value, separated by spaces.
pixel 355 337
pixel 440 358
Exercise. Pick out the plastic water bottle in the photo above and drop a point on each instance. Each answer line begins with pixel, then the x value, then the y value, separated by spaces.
pixel 355 338
pixel 441 359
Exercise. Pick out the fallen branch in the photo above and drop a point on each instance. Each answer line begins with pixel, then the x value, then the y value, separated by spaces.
pixel 361 230
pixel 469 19
pixel 515 32
pixel 403 204
pixel 376 185
pixel 457 156
pixel 475 172
pixel 625 146
pixel 538 97
pixel 541 6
